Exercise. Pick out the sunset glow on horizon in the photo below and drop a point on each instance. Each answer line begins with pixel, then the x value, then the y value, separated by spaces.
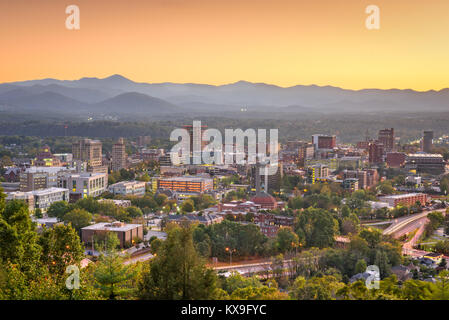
pixel 281 42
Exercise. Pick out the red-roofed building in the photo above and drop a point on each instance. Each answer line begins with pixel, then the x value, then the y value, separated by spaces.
pixel 265 201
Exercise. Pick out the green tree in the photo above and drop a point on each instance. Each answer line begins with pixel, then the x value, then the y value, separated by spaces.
pixel 78 218
pixel 316 288
pixel 386 187
pixel 112 276
pixel 58 209
pixel 441 287
pixel 177 272
pixel 360 267
pixel 61 247
pixel 160 199
pixel 38 213
pixel 316 227
pixel 134 212
pixel 18 238
pixel 286 240
pixel 187 206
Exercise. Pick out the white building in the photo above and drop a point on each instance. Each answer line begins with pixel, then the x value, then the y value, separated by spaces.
pixel 42 198
pixel 52 173
pixel 118 203
pixel 45 197
pixel 83 185
pixel 128 188
pixel 27 197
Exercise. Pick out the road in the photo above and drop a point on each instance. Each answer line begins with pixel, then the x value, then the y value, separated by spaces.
pixel 400 223
pixel 142 257
pixel 407 225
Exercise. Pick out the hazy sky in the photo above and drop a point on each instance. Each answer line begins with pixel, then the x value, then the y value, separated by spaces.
pixel 283 42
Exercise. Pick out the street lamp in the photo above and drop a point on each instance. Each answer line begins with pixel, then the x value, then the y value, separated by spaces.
pixel 294 246
pixel 230 254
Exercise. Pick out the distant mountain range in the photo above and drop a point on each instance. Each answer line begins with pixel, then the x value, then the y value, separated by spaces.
pixel 120 97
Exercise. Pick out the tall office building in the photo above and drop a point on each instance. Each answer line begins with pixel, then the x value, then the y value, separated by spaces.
pixel 376 151
pixel 360 175
pixel 425 162
pixel 119 155
pixel 427 142
pixel 196 140
pixel 386 137
pixel 321 141
pixel 30 181
pixel 87 150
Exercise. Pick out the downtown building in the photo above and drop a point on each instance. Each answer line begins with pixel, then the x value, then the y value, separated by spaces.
pixel 407 199
pixel 325 142
pixel 425 162
pixel 83 185
pixel 427 142
pixel 128 234
pixel 375 152
pixel 87 150
pixel 32 178
pixel 316 173
pixel 270 224
pixel 186 184
pixel 395 159
pixel 386 137
pixel 118 155
pixel 30 181
pixel 128 188
pixel 40 199
pixel 46 159
pixel 350 184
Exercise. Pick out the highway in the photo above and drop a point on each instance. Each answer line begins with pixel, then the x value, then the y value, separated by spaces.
pixel 407 225
pixel 399 224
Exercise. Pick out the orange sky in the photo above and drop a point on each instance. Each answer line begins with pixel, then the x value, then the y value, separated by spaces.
pixel 283 42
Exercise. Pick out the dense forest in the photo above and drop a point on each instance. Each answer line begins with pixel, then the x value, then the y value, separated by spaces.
pixel 348 127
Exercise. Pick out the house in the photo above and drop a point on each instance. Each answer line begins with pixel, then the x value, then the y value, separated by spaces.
pixel 12 174
pixel 342 242
pixel 403 273
pixel 436 257
pixel 359 276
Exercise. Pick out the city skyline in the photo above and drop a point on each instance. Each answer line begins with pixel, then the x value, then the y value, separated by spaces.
pixel 284 43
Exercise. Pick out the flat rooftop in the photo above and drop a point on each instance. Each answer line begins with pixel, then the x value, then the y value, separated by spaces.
pixel 194 179
pixel 126 183
pixel 47 169
pixel 85 174
pixel 48 190
pixel 425 155
pixel 107 226
pixel 405 195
